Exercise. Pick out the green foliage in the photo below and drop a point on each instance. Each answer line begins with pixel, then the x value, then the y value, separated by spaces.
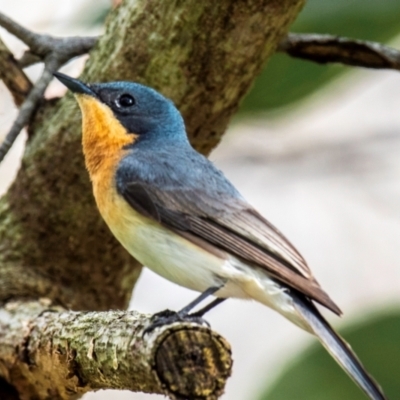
pixel 285 79
pixel 314 375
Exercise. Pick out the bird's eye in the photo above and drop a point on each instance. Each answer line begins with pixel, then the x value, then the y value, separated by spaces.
pixel 125 100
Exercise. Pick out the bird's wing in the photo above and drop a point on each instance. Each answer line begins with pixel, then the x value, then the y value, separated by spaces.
pixel 207 206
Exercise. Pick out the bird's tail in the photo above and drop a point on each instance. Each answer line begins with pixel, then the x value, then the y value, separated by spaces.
pixel 338 348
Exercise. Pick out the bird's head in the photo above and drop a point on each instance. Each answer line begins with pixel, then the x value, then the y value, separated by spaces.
pixel 117 116
pixel 126 108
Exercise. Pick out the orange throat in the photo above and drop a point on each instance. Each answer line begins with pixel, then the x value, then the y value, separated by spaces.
pixel 103 140
pixel 103 136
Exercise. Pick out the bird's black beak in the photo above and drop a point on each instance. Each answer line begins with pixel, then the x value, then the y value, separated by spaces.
pixel 74 85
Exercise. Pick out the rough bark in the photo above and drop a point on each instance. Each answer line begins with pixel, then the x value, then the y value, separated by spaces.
pixel 13 76
pixel 84 351
pixel 205 56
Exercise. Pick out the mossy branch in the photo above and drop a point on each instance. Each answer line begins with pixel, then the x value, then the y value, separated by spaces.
pixel 69 353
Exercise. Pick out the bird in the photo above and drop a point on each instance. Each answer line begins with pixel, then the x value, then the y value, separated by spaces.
pixel 178 215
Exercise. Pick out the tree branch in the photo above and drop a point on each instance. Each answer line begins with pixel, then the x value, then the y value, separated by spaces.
pixel 70 353
pixel 13 76
pixel 29 106
pixel 28 59
pixel 327 48
pixel 55 52
pixel 42 45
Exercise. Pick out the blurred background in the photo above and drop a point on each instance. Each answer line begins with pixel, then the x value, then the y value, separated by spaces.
pixel 317 150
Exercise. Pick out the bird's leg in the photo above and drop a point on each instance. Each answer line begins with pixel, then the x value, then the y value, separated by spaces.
pixel 168 317
pixel 186 310
pixel 208 307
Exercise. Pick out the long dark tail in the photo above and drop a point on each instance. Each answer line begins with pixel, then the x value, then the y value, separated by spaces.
pixel 338 348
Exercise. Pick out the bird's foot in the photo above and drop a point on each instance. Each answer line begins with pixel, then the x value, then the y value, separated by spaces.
pixel 168 317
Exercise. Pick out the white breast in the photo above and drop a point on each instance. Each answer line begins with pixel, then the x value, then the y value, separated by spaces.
pixel 161 250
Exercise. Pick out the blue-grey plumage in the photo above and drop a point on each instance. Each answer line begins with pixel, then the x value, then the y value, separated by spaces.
pixel 175 212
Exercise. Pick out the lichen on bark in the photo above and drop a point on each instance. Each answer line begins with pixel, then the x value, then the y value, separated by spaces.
pixel 49 351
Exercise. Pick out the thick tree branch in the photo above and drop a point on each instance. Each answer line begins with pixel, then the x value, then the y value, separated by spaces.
pixel 13 76
pixel 327 48
pixel 69 353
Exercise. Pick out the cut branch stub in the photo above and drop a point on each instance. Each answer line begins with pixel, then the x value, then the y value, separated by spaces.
pixel 193 362
pixel 70 353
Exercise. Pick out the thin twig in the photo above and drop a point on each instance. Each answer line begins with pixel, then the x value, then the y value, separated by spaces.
pixel 13 76
pixel 29 105
pixel 55 52
pixel 41 45
pixel 33 40
pixel 327 48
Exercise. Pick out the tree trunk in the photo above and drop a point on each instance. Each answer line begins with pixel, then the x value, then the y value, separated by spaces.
pixel 54 245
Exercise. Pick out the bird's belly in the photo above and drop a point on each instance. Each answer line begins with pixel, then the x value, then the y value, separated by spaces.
pixel 164 252
pixel 184 263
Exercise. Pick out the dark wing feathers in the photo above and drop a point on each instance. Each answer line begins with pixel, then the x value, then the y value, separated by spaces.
pixel 202 202
pixel 139 198
pixel 250 224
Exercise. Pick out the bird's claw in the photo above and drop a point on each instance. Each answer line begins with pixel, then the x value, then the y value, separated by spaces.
pixel 168 317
